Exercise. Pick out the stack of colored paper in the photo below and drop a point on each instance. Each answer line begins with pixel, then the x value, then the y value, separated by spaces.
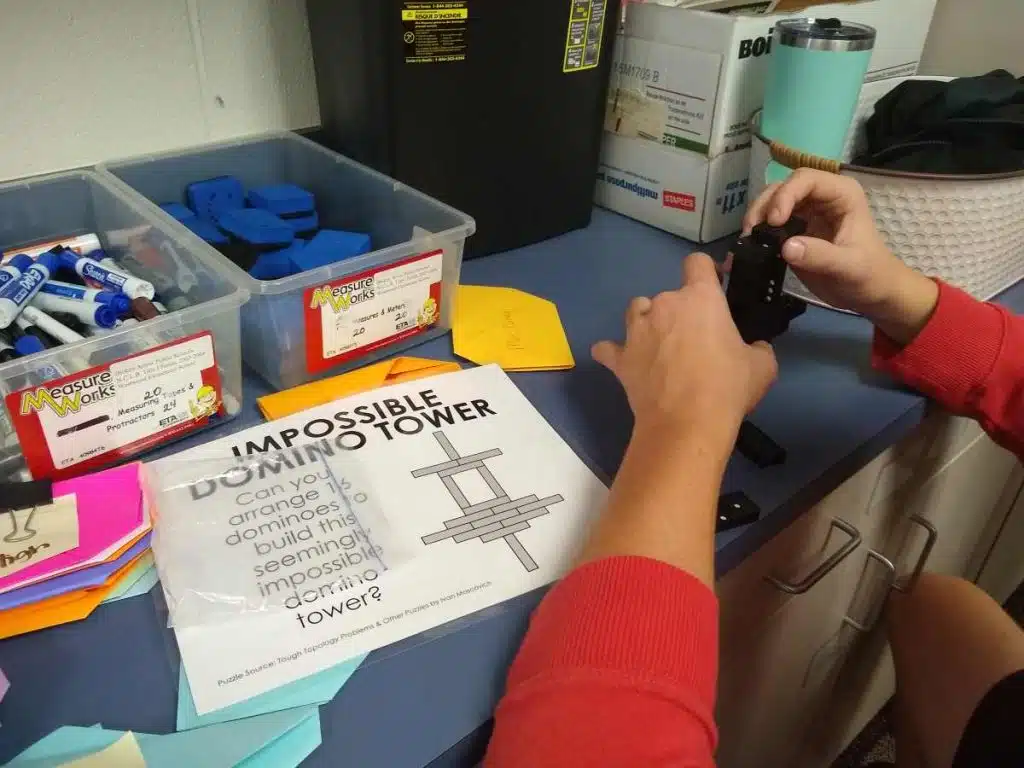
pixel 58 561
pixel 515 329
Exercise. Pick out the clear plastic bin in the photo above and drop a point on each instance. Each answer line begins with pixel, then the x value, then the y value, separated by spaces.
pixel 285 338
pixel 78 202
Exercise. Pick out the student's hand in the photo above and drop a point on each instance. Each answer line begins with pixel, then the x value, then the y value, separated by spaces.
pixel 684 367
pixel 843 258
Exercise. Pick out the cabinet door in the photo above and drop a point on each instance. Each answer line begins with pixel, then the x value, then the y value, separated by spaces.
pixel 960 502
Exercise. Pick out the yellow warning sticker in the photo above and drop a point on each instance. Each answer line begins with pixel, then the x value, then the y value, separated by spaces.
pixel 586 30
pixel 435 32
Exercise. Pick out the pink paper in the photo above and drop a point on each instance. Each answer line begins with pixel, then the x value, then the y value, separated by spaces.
pixel 109 511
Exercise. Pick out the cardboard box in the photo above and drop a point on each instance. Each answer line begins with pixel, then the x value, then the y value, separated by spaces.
pixel 676 152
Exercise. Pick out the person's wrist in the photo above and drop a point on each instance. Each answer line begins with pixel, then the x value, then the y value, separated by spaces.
pixel 907 306
pixel 710 431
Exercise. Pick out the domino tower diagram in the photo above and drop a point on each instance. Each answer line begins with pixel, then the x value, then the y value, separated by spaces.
pixel 490 520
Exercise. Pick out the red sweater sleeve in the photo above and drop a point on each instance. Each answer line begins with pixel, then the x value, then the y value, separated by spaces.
pixel 969 358
pixel 618 669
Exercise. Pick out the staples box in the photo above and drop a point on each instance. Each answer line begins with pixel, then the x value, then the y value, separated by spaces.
pixel 676 150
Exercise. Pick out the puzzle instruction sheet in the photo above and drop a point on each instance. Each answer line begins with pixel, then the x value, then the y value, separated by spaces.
pixel 481 495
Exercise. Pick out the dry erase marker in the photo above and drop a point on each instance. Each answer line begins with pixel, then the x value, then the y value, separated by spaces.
pixel 50 325
pixel 17 293
pixel 79 244
pixel 89 312
pixel 120 303
pixel 9 272
pixel 116 280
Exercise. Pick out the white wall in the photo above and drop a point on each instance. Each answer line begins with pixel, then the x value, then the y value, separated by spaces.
pixel 91 80
pixel 970 37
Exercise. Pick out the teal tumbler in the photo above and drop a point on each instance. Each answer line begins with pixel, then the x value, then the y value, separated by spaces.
pixel 815 74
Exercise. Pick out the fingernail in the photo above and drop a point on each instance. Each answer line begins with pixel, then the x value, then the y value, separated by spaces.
pixel 793 251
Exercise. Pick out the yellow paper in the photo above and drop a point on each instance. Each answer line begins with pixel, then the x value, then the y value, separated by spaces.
pixel 30 536
pixel 515 329
pixel 123 753
pixel 281 404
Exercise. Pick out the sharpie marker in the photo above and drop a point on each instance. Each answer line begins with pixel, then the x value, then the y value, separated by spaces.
pixel 120 303
pixel 16 294
pixel 89 312
pixel 116 280
pixel 50 325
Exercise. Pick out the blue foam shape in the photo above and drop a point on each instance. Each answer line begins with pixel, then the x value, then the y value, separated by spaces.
pixel 301 224
pixel 256 227
pixel 207 230
pixel 328 247
pixel 213 197
pixel 282 198
pixel 313 690
pixel 179 211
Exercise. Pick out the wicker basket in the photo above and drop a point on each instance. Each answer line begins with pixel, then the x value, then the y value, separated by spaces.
pixel 966 230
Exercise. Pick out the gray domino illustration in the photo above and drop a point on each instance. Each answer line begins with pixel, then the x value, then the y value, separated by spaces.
pixel 497 518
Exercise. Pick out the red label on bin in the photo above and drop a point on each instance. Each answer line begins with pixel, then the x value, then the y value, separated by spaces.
pixel 72 424
pixel 357 314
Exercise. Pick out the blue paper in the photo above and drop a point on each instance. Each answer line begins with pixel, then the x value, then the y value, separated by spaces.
pixel 136 583
pixel 92 576
pixel 286 737
pixel 315 689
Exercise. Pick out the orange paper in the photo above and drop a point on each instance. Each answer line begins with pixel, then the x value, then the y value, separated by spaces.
pixel 61 609
pixel 281 404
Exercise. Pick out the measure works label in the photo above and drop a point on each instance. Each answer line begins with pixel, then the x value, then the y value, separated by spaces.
pixel 435 32
pixel 586 30
pixel 71 424
pixel 359 313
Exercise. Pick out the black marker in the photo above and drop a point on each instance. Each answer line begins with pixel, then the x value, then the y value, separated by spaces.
pixel 7 350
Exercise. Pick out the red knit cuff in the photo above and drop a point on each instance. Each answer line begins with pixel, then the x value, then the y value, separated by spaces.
pixel 953 355
pixel 631 615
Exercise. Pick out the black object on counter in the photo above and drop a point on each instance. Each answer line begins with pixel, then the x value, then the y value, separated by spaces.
pixel 735 510
pixel 490 106
pixel 972 125
pixel 759 308
pixel 757 446
pixel 761 312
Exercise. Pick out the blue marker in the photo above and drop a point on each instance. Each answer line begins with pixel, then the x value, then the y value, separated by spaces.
pixel 10 272
pixel 114 279
pixel 17 293
pixel 118 302
pixel 89 312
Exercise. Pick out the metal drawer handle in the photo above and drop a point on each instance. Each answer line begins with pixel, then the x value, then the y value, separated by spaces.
pixel 929 545
pixel 873 616
pixel 827 566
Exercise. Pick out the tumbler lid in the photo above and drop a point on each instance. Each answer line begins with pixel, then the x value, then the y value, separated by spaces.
pixel 825 34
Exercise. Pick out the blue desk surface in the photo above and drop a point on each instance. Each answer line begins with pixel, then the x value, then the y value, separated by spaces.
pixel 424 695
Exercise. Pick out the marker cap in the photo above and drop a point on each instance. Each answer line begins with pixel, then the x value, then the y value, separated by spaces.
pixel 21 262
pixel 28 345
